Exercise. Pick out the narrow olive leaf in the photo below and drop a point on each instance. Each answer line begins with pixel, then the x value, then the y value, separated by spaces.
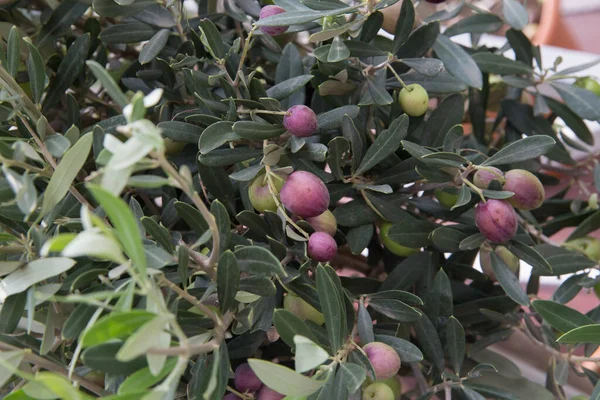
pixel 404 25
pixel 211 38
pixel 455 343
pixel 508 280
pixel 583 334
pixel 154 46
pixel 283 379
pixel 364 324
pixel 472 242
pixel 448 114
pixel 515 14
pixel 36 271
pixel 430 342
pixel 477 23
pixel 192 217
pixel 387 142
pixel 12 311
pixel 464 197
pixel 60 21
pixel 13 51
pixel 498 64
pixel 228 280
pixel 68 70
pixel 301 17
pixel 65 173
pixel 309 355
pixel 458 62
pixel 333 119
pixel 529 255
pixel 10 364
pixel 353 375
pixel 288 325
pixel 259 261
pixel 36 69
pixel 284 89
pixel 330 298
pixel 352 134
pixel 425 66
pixel 561 317
pixel 158 232
pixel 143 379
pixel 133 32
pixel 588 225
pixel 395 309
pixel 125 225
pixel 77 321
pixel 572 120
pixel 108 83
pixel 256 130
pixel 338 51
pixel 522 150
pixel 401 295
pixel 221 215
pixel 583 102
pixel 184 132
pixel 116 325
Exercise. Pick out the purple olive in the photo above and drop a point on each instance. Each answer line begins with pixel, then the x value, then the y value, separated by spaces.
pixel 483 178
pixel 384 359
pixel 321 247
pixel 300 121
pixel 528 191
pixel 325 222
pixel 267 11
pixel 231 396
pixel 245 379
pixel 304 194
pixel 496 220
pixel 266 393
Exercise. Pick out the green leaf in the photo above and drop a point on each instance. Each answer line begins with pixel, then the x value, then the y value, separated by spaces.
pixel 65 173
pixel 364 324
pixel 290 65
pixel 561 317
pixel 407 351
pixel 115 326
pixel 438 302
pixel 222 157
pixel 333 119
pixel 286 88
pixel 36 69
pixel 184 132
pixel 477 23
pixel 404 25
pixel 458 62
pixel 192 217
pixel 455 343
pixel 562 261
pixel 337 156
pixel 522 150
pixel 11 312
pixel 256 130
pixel 301 17
pixel 583 334
pixel 359 237
pixel 508 280
pixel 154 46
pixel 158 232
pixel 572 120
pixel 411 232
pixel 60 21
pixel 13 52
pixel 35 271
pixel 338 51
pixel 149 335
pixel 289 325
pixel 211 38
pixel 309 355
pixel 144 379
pixel 10 363
pixel 228 280
pixel 259 261
pixel 332 306
pixel 498 64
pixel 430 342
pixel 103 358
pixel 132 32
pixel 353 375
pixel 387 142
pixel 395 309
pixel 125 225
pixel 529 255
pixel 68 70
pixel 108 83
pixel 583 102
pixel 77 321
pixel 430 67
pixel 284 380
pixel 515 13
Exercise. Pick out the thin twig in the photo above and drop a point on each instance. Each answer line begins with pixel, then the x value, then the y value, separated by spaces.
pixel 190 299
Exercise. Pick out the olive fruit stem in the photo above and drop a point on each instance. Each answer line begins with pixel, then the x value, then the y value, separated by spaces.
pixel 475 189
pixel 398 78
pixel 247 46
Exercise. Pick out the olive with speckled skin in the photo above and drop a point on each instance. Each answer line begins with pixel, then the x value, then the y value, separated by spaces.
pixel 321 247
pixel 483 178
pixel 266 393
pixel 496 220
pixel 259 194
pixel 528 191
pixel 304 194
pixel 378 391
pixel 245 379
pixel 384 359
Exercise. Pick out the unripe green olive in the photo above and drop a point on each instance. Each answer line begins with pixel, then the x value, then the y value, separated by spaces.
pixel 414 100
pixel 447 197
pixel 588 83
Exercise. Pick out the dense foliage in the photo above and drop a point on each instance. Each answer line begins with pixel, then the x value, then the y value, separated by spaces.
pixel 175 210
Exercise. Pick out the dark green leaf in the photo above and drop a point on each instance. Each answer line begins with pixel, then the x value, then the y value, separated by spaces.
pixel 477 23
pixel 529 255
pixel 407 351
pixel 338 51
pixel 222 157
pixel 458 62
pixel 133 32
pixel 11 312
pixel 255 130
pixel 498 64
pixel 154 46
pixel 13 52
pixel 184 132
pixel 259 261
pixel 288 325
pixel 364 324
pixel 115 326
pixel 455 343
pixel 211 38
pixel 103 358
pixel 332 305
pixel 359 237
pixel 507 279
pixel 286 88
pixel 472 242
pixel 395 309
pixel 333 119
pixel 301 17
pixel 583 334
pixel 37 72
pixel 583 102
pixel 561 317
pixel 228 279
pixel 108 83
pixel 430 342
pixel 77 321
pixel 522 150
pixel 404 25
pixel 352 375
pixel 572 120
pixel 385 144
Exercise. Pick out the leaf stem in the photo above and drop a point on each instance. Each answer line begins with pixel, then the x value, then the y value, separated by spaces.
pixel 475 189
